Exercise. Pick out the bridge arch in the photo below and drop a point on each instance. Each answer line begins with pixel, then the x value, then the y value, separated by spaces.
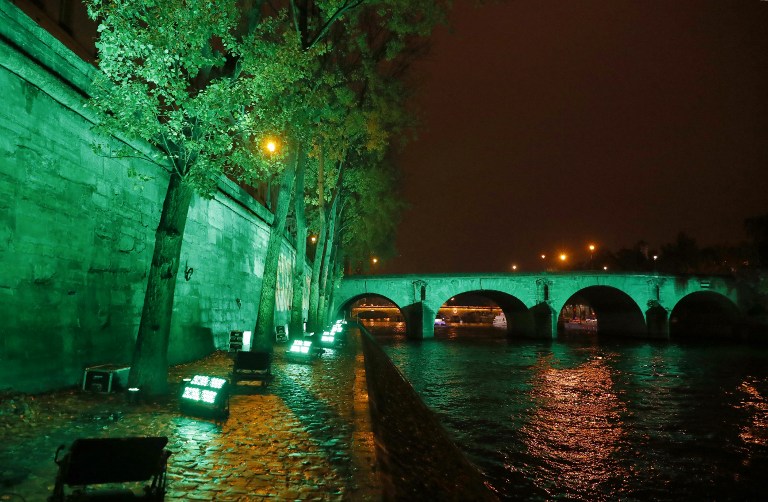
pixel 518 317
pixel 704 315
pixel 344 309
pixel 412 315
pixel 617 313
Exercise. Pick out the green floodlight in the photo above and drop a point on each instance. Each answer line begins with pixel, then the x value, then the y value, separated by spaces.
pixel 328 338
pixel 205 395
pixel 301 350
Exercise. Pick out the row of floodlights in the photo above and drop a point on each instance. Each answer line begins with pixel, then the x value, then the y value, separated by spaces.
pixel 209 395
pixel 302 350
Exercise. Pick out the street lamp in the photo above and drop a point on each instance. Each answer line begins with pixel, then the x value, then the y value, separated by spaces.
pixel 591 254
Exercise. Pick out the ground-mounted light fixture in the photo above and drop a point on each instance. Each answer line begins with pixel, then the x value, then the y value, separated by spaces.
pixel 134 395
pixel 205 396
pixel 328 338
pixel 301 351
pixel 332 337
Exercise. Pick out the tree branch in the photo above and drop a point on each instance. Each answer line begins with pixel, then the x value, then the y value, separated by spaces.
pixel 347 6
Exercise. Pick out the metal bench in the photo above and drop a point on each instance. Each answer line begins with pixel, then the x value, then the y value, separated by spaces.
pixel 101 461
pixel 252 366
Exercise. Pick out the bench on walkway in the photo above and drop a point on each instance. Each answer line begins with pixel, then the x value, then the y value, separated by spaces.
pixel 252 366
pixel 99 461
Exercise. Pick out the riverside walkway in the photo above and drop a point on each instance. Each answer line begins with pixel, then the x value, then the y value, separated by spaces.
pixel 309 435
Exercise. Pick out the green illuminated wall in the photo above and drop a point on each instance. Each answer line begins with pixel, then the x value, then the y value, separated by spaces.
pixel 76 234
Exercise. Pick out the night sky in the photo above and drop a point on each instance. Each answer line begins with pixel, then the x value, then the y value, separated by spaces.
pixel 548 125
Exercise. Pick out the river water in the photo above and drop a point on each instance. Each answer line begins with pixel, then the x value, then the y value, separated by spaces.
pixel 581 419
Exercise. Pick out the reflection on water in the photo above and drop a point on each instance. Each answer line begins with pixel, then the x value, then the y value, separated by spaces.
pixel 576 427
pixel 594 420
pixel 755 429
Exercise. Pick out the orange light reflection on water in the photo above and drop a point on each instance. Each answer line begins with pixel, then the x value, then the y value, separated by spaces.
pixel 576 427
pixel 756 431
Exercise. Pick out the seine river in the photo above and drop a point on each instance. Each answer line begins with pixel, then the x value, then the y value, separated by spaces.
pixel 585 420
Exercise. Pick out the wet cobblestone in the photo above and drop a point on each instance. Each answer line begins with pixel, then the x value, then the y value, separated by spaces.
pixel 306 436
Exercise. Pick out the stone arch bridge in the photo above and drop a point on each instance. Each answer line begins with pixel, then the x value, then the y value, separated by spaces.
pixel 642 305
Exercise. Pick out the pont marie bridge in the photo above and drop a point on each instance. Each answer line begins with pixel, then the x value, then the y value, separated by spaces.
pixel 642 305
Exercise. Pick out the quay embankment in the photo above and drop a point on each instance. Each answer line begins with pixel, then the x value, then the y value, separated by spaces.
pixel 417 458
pixel 346 427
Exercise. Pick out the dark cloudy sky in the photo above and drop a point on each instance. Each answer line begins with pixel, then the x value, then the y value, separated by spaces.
pixel 550 124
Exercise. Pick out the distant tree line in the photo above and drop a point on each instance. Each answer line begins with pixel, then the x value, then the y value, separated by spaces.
pixel 685 256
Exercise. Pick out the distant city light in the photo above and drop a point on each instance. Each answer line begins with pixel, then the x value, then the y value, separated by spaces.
pixel 605 268
pixel 375 260
pixel 514 267
pixel 543 256
pixel 313 239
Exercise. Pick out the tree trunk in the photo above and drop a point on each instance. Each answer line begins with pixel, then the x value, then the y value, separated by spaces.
pixel 333 283
pixel 322 306
pixel 314 289
pixel 149 369
pixel 263 333
pixel 296 328
pixel 314 285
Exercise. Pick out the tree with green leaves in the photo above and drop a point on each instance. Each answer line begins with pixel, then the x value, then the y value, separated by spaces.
pixel 190 78
pixel 360 36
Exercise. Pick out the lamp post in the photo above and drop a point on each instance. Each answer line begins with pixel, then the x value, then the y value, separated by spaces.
pixel 591 255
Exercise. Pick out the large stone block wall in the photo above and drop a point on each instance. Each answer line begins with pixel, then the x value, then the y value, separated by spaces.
pixel 77 233
pixel 416 456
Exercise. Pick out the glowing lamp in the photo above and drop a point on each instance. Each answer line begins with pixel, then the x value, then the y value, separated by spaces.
pixel 205 395
pixel 328 338
pixel 134 395
pixel 301 350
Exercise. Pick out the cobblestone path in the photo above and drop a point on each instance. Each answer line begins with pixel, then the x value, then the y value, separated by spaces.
pixel 306 436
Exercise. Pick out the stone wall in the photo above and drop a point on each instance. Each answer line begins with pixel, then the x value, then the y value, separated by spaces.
pixel 417 458
pixel 77 233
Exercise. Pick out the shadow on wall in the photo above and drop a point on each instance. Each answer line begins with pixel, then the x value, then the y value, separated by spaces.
pixel 189 342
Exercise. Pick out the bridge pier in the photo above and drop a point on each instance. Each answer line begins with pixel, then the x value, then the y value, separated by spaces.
pixel 544 321
pixel 657 321
pixel 419 321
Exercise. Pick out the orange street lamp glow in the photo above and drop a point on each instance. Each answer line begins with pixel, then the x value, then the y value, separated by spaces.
pixel 563 257
pixel 543 256
pixel 313 239
pixel 375 260
pixel 591 247
pixel 271 146
pixel 514 267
